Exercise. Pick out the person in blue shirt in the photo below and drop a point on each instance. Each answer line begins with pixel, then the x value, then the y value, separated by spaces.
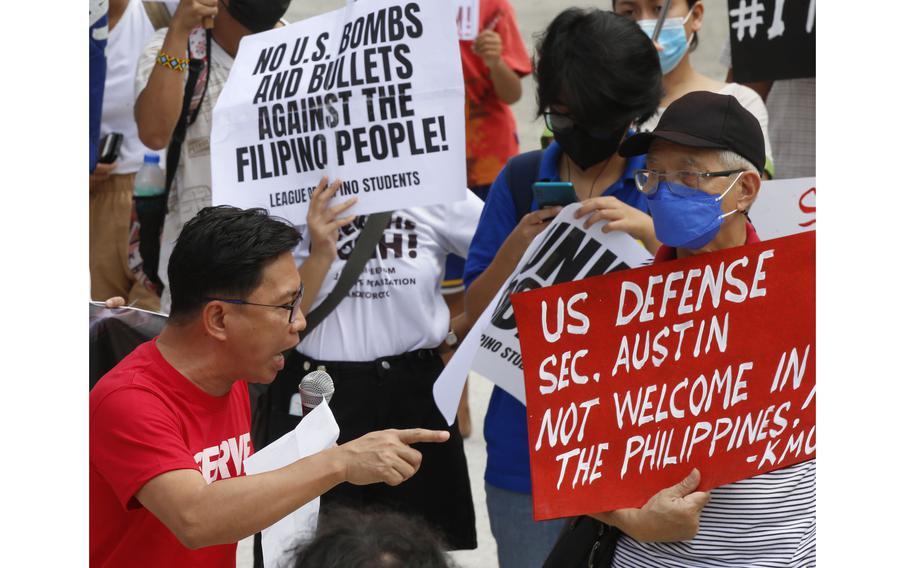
pixel 597 76
pixel 97 66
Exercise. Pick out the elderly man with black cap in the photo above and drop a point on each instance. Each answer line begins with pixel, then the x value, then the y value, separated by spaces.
pixel 702 174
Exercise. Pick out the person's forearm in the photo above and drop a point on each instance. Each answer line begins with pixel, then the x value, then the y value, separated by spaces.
pixel 623 519
pixel 506 83
pixel 484 288
pixel 232 509
pixel 160 102
pixel 312 274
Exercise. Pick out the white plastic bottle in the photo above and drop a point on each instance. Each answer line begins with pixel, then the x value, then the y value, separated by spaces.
pixel 150 178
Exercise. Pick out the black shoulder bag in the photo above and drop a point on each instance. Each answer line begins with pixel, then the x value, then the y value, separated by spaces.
pixel 584 542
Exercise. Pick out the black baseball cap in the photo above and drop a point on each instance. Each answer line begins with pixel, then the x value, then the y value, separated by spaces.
pixel 702 119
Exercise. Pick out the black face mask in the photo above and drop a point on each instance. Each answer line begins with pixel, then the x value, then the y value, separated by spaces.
pixel 257 15
pixel 586 150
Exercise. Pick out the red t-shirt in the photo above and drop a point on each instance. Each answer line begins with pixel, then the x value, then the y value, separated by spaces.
pixel 145 419
pixel 490 127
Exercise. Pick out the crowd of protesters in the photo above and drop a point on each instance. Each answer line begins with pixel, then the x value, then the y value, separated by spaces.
pixel 627 116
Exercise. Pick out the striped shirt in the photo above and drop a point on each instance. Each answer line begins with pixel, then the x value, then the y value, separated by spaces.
pixel 764 521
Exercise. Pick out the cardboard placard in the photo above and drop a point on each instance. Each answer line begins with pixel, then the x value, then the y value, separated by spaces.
pixel 634 378
pixel 784 207
pixel 565 251
pixel 371 94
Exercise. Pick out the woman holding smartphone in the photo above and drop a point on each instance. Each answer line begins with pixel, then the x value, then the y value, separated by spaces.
pixel 597 74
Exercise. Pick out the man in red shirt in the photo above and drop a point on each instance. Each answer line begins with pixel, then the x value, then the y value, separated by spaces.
pixel 169 426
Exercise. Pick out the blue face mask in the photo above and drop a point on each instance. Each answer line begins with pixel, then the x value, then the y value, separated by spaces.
pixel 685 217
pixel 672 39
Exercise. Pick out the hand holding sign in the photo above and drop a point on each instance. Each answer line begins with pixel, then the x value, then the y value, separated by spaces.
pixel 323 222
pixel 488 46
pixel 671 515
pixel 193 13
pixel 531 225
pixel 619 217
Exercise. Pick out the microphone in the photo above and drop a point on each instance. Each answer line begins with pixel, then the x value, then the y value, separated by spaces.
pixel 315 386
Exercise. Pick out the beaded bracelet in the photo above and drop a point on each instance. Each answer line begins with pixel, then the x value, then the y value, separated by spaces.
pixel 175 63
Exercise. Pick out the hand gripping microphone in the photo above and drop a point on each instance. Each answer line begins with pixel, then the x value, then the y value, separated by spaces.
pixel 313 388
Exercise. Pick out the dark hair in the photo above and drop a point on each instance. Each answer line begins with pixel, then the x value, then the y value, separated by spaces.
pixel 348 538
pixel 689 3
pixel 600 65
pixel 222 252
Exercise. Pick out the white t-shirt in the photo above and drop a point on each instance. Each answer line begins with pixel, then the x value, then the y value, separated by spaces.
pixel 750 100
pixel 396 306
pixel 192 189
pixel 124 45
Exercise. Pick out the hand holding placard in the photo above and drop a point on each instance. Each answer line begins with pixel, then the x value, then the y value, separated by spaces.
pixel 671 515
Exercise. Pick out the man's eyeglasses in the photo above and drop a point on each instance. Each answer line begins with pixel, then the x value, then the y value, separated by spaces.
pixel 646 180
pixel 292 307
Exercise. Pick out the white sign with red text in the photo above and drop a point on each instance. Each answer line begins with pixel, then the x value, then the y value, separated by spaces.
pixel 784 207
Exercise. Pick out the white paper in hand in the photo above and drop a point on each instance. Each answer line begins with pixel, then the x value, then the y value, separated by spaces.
pixel 315 432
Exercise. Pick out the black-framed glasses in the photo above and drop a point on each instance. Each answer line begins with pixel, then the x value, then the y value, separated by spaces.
pixel 292 307
pixel 559 122
pixel 646 180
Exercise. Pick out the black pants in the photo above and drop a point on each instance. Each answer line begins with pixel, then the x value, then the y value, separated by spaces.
pixel 392 392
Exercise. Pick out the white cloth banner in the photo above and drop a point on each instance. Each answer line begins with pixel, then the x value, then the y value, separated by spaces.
pixel 315 432
pixel 371 94
pixel 784 207
pixel 563 253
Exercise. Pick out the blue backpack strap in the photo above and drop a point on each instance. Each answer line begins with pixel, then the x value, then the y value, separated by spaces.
pixel 521 173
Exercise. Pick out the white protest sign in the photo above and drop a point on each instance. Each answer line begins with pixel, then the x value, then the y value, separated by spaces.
pixel 784 207
pixel 566 251
pixel 467 19
pixel 315 432
pixel 371 94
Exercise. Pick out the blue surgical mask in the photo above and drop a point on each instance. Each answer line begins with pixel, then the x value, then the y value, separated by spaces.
pixel 672 39
pixel 685 217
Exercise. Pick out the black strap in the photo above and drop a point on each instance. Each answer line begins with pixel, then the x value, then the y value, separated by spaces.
pixel 363 250
pixel 151 217
pixel 183 123
pixel 521 173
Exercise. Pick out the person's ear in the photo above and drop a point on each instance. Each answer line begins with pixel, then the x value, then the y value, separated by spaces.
pixel 697 17
pixel 749 184
pixel 214 322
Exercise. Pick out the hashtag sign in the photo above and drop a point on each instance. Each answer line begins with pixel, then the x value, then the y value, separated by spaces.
pixel 746 18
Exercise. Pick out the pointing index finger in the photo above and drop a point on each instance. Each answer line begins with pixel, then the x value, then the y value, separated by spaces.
pixel 416 435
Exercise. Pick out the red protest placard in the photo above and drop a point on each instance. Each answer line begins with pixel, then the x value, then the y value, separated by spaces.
pixel 634 378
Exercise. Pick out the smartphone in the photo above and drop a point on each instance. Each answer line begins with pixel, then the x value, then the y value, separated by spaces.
pixel 554 193
pixel 109 149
